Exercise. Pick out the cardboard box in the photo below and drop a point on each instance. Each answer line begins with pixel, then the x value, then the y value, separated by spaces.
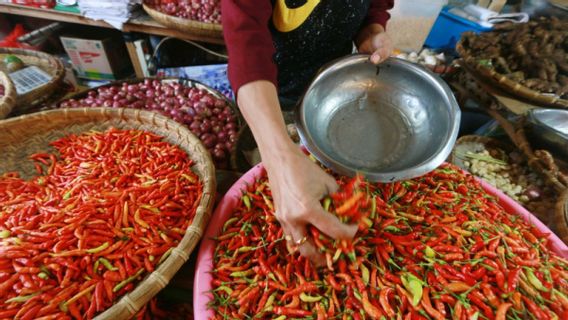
pixel 95 58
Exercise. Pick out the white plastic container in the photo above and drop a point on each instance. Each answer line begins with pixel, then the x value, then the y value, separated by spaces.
pixel 411 22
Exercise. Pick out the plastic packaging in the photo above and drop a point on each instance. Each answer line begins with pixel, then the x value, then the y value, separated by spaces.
pixel 411 21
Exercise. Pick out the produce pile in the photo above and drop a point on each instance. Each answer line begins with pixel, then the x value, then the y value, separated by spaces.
pixel 93 222
pixel 534 54
pixel 515 179
pixel 208 117
pixel 433 247
pixel 208 11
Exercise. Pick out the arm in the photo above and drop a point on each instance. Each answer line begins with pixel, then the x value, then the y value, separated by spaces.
pixel 372 38
pixel 297 183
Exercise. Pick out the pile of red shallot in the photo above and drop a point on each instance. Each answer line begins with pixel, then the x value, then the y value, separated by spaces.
pixel 208 11
pixel 208 117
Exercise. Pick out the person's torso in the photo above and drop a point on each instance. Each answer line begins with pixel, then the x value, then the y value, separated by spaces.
pixel 310 33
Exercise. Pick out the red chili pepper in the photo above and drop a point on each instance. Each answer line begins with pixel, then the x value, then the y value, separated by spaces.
pixel 513 279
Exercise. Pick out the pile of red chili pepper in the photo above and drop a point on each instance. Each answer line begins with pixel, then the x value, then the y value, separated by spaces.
pixel 95 220
pixel 434 247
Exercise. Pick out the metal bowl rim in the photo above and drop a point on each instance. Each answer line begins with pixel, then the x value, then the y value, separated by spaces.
pixel 424 167
pixel 532 115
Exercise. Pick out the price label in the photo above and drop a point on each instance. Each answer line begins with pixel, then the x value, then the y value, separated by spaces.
pixel 29 79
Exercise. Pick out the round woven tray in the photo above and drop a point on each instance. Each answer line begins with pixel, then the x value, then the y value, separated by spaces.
pixel 44 61
pixel 25 135
pixel 498 80
pixel 8 100
pixel 186 25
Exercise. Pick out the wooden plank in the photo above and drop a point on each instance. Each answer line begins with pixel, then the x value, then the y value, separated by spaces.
pixel 144 24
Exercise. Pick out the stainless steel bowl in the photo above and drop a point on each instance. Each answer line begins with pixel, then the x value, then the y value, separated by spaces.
pixel 389 122
pixel 549 127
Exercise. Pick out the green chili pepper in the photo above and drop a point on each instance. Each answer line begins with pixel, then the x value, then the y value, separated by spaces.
pixel 96 266
pixel 475 316
pixel 99 248
pixel 107 264
pixel 165 255
pixel 357 295
pixel 429 252
pixel 229 222
pixel 337 255
pixel 246 201
pixel 150 208
pixel 43 275
pixel 535 281
pixel 225 288
pixel 21 299
pixel 282 317
pixel 365 274
pixel 4 234
pixel 128 280
pixel 306 298
pixel 326 204
pixel 245 249
pixel 373 207
pixel 242 274
pixel 269 302
pixel 414 286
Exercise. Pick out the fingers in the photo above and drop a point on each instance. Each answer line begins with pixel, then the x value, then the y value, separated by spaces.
pixel 297 240
pixel 330 184
pixel 330 225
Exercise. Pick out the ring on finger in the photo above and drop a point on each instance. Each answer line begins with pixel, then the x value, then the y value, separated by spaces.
pixel 301 241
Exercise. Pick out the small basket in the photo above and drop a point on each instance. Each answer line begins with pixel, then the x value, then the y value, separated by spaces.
pixel 8 100
pixel 493 78
pixel 44 61
pixel 186 25
pixel 474 143
pixel 29 134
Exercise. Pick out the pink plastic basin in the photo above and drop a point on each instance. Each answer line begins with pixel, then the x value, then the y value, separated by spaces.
pixel 202 283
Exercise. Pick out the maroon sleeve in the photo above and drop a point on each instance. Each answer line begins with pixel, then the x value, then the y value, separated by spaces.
pixel 248 41
pixel 378 12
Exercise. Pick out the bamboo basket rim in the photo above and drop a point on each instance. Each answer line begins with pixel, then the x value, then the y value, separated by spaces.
pixel 501 81
pixel 8 100
pixel 47 63
pixel 182 24
pixel 77 120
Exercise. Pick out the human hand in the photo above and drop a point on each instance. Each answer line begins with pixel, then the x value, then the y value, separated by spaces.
pixel 374 40
pixel 297 186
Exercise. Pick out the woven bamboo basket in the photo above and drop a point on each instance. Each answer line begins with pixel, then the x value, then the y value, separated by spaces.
pixel 8 100
pixel 498 80
pixel 561 217
pixel 185 25
pixel 474 143
pixel 44 61
pixel 183 81
pixel 28 134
